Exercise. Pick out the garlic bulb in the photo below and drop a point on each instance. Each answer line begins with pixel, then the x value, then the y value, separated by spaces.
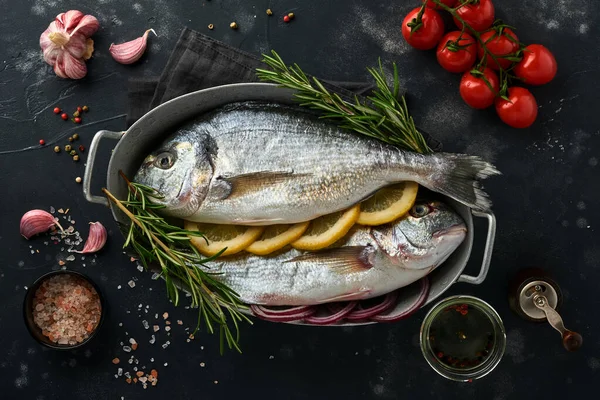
pixel 66 44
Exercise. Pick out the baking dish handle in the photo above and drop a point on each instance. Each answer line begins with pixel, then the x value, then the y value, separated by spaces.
pixel 89 167
pixel 487 254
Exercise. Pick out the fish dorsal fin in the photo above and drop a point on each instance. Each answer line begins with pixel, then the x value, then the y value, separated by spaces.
pixel 243 184
pixel 343 260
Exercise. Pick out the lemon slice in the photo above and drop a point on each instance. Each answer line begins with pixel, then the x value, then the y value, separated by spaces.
pixel 328 229
pixel 276 237
pixel 235 238
pixel 388 204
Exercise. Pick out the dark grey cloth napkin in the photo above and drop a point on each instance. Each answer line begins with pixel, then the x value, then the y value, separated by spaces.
pixel 199 62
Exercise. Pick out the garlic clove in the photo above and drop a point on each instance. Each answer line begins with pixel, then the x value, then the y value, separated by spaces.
pixel 77 45
pixel 67 66
pixel 88 25
pixel 96 239
pixel 130 52
pixel 69 19
pixel 37 221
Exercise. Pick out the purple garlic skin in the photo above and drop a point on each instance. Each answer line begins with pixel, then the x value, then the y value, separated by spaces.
pixel 36 221
pixel 130 52
pixel 96 238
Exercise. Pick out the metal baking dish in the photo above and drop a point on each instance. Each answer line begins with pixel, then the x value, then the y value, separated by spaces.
pixel 140 139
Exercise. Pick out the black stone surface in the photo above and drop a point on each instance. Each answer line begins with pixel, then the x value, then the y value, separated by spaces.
pixel 546 204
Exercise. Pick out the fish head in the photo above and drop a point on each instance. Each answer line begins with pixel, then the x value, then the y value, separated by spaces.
pixel 180 171
pixel 424 238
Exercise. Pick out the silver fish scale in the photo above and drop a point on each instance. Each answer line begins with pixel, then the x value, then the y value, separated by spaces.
pixel 254 140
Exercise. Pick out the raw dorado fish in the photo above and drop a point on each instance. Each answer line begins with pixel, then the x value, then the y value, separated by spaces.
pixel 371 262
pixel 264 163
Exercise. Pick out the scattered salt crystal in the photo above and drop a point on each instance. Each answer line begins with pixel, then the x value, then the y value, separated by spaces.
pixel 137 361
pixel 61 211
pixel 146 325
pixel 152 359
pixel 25 287
pixel 120 371
pixel 132 341
pixel 82 258
pixel 127 374
pixel 70 258
pixel 143 379
pixel 216 382
pixel 140 268
pixel 202 364
pixel 131 284
pixel 130 361
pixel 52 210
pixel 155 316
pixel 166 344
pixel 156 328
pixel 32 251
pixel 201 347
pixel 140 305
pixel 271 357
pixel 166 364
pixel 135 369
pixel 119 287
pixel 152 340
pixel 121 324
pixel 165 315
pixel 155 276
pixel 126 349
pixel 179 322
pixel 167 328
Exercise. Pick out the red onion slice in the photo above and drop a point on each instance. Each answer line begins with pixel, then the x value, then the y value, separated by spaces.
pixel 359 313
pixel 288 314
pixel 337 315
pixel 412 299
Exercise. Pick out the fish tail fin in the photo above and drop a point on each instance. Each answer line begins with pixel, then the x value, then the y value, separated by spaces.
pixel 459 177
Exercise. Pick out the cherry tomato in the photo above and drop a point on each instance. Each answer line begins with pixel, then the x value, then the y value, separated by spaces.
pixel 538 65
pixel 456 55
pixel 448 3
pixel 499 45
pixel 479 16
pixel 429 32
pixel 520 111
pixel 474 90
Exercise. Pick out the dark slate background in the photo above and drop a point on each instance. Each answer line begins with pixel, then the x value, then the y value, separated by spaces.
pixel 546 204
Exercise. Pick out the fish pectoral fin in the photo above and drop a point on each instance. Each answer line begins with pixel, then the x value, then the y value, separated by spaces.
pixel 357 295
pixel 243 184
pixel 343 260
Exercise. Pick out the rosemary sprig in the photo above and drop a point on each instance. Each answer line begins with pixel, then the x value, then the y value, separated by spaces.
pixel 383 116
pixel 157 241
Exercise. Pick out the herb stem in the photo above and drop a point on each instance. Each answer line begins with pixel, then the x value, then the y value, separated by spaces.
pixel 383 116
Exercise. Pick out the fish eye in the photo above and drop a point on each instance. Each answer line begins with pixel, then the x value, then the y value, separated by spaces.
pixel 419 210
pixel 164 160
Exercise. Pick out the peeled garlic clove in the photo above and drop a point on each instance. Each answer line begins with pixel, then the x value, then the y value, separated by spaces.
pixel 130 52
pixel 96 239
pixel 36 221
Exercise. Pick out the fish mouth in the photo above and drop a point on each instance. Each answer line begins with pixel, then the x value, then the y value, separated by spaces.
pixel 454 230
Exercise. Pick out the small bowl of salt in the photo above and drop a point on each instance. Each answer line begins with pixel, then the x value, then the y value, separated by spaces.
pixel 63 309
